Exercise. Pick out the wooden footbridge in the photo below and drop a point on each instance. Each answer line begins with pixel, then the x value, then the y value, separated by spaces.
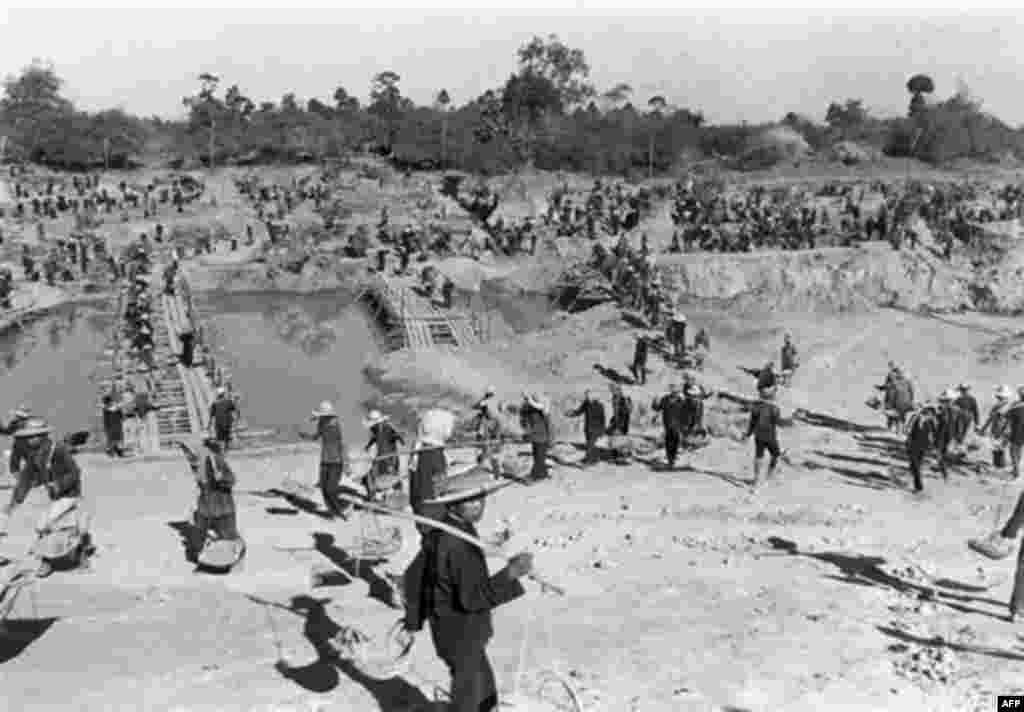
pixel 182 396
pixel 412 320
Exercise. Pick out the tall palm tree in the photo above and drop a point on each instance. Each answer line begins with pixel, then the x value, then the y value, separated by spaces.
pixel 442 101
pixel 657 105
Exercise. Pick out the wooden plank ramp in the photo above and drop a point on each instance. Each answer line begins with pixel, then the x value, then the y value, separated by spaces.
pixel 424 325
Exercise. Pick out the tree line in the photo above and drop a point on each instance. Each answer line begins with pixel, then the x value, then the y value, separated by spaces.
pixel 547 114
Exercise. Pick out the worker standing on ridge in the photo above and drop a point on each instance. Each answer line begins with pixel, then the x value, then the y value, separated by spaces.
pixel 449 585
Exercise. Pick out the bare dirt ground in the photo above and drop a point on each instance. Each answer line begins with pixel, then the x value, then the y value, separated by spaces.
pixel 830 587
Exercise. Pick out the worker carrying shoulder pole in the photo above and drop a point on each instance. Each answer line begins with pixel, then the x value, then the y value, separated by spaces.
pixel 449 585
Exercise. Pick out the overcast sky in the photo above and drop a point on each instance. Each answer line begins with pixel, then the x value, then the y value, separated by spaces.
pixel 749 65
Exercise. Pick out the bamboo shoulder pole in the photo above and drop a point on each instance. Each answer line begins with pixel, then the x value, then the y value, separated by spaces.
pixel 490 551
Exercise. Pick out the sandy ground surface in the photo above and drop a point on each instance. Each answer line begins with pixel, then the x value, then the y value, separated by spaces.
pixel 830 587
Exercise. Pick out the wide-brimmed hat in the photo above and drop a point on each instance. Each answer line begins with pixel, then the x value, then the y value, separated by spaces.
pixel 678 316
pixel 375 418
pixel 693 390
pixel 491 390
pixel 32 427
pixel 324 410
pixel 947 395
pixel 22 411
pixel 1004 392
pixel 436 427
pixel 766 393
pixel 472 483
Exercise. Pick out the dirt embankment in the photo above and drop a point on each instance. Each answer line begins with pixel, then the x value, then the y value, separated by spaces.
pixel 830 279
pixel 318 274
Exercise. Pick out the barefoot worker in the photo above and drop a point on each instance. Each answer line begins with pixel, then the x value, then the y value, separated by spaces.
pixel 450 586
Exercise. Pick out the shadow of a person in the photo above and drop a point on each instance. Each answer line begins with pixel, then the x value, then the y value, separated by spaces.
pixel 380 589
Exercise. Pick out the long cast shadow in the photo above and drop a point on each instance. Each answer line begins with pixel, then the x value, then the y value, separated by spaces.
pixel 322 675
pixel 380 589
pixel 905 637
pixel 862 570
pixel 17 634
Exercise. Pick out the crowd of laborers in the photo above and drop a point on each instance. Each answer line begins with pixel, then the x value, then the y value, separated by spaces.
pixel 945 428
pixel 713 218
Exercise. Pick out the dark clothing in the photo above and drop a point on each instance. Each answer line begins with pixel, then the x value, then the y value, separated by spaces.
pixel 593 425
pixel 18 449
pixel 771 446
pixel 188 349
pixel 622 409
pixel 431 466
pixel 332 446
pixel 673 420
pixel 539 469
pixel 639 367
pixel 222 413
pixel 899 394
pixel 536 424
pixel 330 485
pixel 52 466
pixel 1014 423
pixel 673 438
pixel 969 404
pixel 673 412
pixel 921 431
pixel 1010 531
pixel 386 438
pixel 766 379
pixel 113 428
pixel 788 361
pixel 449 585
pixel 216 480
pixel 764 421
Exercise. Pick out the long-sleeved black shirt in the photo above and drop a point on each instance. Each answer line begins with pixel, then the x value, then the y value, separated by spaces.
pixel 764 421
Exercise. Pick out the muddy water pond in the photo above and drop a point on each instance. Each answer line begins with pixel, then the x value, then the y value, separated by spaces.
pixel 285 353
